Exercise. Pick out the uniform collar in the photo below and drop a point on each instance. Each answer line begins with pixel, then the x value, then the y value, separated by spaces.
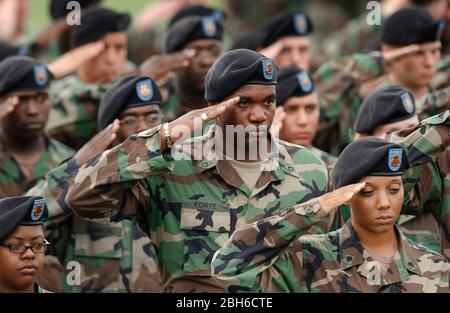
pixel 405 260
pixel 206 159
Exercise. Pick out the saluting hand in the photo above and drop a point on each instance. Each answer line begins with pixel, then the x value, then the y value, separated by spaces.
pixel 184 126
pixel 8 105
pixel 98 144
pixel 277 122
pixel 159 67
pixel 340 196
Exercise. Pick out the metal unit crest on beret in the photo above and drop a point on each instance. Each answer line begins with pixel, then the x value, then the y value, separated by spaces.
pixel 40 74
pixel 38 209
pixel 144 90
pixel 267 69
pixel 407 102
pixel 300 24
pixel 209 26
pixel 304 82
pixel 395 156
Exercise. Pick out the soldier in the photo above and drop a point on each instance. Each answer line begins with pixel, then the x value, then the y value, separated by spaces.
pixel 22 244
pixel 368 254
pixel 196 193
pixel 410 51
pixel 113 258
pixel 193 44
pixel 286 39
pixel 26 153
pixel 385 111
pixel 297 114
pixel 426 183
pixel 75 99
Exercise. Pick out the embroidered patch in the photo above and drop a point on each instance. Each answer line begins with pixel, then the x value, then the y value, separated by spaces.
pixel 304 81
pixel 300 24
pixel 395 159
pixel 38 209
pixel 267 69
pixel 40 74
pixel 209 26
pixel 407 102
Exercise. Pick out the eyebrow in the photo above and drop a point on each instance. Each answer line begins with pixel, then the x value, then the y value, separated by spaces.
pixel 34 238
pixel 134 114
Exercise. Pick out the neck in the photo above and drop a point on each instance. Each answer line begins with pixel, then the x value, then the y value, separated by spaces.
pixel 380 243
pixel 417 91
pixel 7 289
pixel 21 145
pixel 189 99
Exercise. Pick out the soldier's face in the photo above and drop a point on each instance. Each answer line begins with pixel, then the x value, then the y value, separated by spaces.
pixel 108 64
pixel 255 112
pixel 135 120
pixel 384 131
pixel 29 118
pixel 376 207
pixel 301 121
pixel 295 51
pixel 18 272
pixel 207 52
pixel 416 70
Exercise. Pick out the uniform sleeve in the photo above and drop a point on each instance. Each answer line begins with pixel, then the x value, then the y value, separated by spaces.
pixel 266 256
pixel 111 186
pixel 426 183
pixel 338 82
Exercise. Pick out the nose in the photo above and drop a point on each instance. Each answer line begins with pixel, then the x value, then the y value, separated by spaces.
pixel 430 59
pixel 29 254
pixel 141 125
pixel 110 55
pixel 32 108
pixel 206 59
pixel 383 202
pixel 257 114
pixel 301 119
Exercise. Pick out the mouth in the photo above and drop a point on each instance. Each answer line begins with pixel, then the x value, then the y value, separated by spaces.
pixel 35 125
pixel 28 269
pixel 385 219
pixel 302 135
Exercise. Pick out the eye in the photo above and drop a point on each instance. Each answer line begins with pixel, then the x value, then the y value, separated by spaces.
pixel 366 193
pixel 129 120
pixel 151 118
pixel 243 103
pixel 310 110
pixel 270 102
pixel 15 246
pixel 394 190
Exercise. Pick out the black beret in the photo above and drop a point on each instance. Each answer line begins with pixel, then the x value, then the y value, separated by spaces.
pixel 20 73
pixel 7 50
pixel 370 156
pixel 130 91
pixel 96 23
pixel 411 25
pixel 292 24
pixel 384 106
pixel 191 28
pixel 15 211
pixel 58 8
pixel 293 82
pixel 197 10
pixel 236 68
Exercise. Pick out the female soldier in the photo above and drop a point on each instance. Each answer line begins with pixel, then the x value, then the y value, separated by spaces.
pixel 368 254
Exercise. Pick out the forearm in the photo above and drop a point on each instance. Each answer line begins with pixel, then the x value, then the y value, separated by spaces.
pixel 103 185
pixel 255 248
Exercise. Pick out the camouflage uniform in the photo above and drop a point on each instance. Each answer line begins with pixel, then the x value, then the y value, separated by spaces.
pixel 113 258
pixel 328 159
pixel 73 114
pixel 275 255
pixel 12 180
pixel 171 102
pixel 427 182
pixel 38 289
pixel 192 205
pixel 342 86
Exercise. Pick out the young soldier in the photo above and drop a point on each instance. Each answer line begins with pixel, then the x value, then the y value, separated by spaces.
pixel 26 152
pixel 297 115
pixel 193 44
pixel 22 243
pixel 75 99
pixel 113 258
pixel 368 254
